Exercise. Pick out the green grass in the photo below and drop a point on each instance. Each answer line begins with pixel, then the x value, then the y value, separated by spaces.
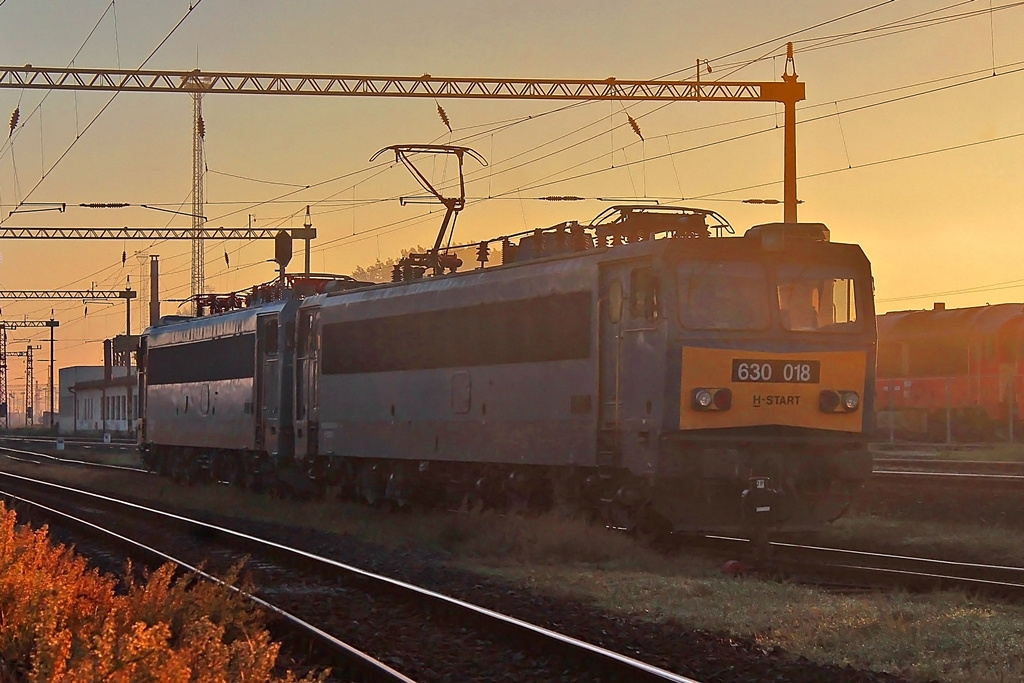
pixel 988 544
pixel 946 636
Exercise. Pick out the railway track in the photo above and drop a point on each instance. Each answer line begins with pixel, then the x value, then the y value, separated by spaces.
pixel 38 458
pixel 71 442
pixel 909 572
pixel 949 473
pixel 966 467
pixel 426 635
pixel 845 567
pixel 347 660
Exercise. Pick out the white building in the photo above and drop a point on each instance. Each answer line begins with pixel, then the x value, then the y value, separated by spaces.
pixel 94 402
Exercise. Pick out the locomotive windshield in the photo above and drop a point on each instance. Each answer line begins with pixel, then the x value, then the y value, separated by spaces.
pixel 723 296
pixel 738 296
pixel 817 300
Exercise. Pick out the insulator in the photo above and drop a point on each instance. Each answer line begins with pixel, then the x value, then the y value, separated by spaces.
pixel 444 118
pixel 483 253
pixel 578 238
pixel 14 120
pixel 396 273
pixel 227 261
pixel 201 127
pixel 450 262
pixel 508 251
pixel 561 198
pixel 124 258
pixel 635 126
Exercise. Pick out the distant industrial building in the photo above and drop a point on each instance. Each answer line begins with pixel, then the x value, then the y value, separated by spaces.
pixel 101 399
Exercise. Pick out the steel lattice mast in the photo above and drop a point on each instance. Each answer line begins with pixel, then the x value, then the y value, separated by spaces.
pixel 23 294
pixel 3 380
pixel 13 325
pixel 30 399
pixel 196 83
pixel 788 91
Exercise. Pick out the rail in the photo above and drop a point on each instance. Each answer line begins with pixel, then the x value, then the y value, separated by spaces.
pixel 354 661
pixel 586 654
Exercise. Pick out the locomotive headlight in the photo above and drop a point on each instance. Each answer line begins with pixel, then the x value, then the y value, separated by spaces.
pixel 838 401
pixel 828 401
pixel 851 401
pixel 723 399
pixel 711 399
pixel 702 399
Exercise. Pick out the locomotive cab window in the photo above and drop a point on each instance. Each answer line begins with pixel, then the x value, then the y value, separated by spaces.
pixel 615 301
pixel 644 294
pixel 723 296
pixel 270 337
pixel 811 300
pixel 307 335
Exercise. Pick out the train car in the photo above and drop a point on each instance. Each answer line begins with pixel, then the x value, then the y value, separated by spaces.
pixel 637 367
pixel 210 393
pixel 215 391
pixel 961 365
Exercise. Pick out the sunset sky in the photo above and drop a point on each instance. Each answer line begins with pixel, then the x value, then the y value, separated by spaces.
pixel 910 143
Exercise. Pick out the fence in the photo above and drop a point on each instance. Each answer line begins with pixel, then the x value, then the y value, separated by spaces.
pixel 955 409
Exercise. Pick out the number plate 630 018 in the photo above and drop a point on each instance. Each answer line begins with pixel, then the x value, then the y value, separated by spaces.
pixel 776 371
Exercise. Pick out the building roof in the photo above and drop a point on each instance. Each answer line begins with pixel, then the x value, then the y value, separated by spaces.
pixel 972 321
pixel 129 381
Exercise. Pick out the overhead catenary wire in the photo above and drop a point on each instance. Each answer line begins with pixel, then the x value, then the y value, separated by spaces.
pixel 70 64
pixel 809 120
pixel 63 155
pixel 488 193
pixel 388 227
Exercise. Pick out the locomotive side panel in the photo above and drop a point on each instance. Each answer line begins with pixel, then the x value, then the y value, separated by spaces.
pixel 214 415
pixel 467 369
pixel 505 414
pixel 199 381
pixel 200 394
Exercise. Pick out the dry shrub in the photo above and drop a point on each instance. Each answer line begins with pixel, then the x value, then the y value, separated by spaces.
pixel 61 621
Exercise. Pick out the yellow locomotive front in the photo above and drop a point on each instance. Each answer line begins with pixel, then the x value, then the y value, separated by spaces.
pixel 775 339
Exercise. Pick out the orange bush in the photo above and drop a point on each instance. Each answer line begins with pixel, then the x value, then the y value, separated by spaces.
pixel 62 622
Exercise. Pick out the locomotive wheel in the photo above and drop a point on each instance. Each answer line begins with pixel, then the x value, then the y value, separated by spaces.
pixel 370 484
pixel 160 464
pixel 253 481
pixel 235 473
pixel 319 488
pixel 397 490
pixel 638 520
pixel 186 470
pixel 526 493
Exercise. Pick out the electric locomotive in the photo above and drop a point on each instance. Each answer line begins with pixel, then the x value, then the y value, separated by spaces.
pixel 646 368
